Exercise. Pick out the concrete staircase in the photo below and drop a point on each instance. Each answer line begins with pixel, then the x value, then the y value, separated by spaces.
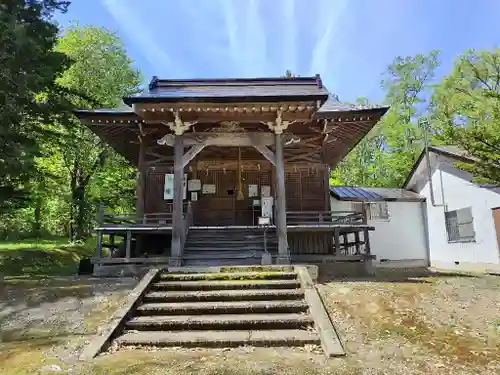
pixel 224 309
pixel 228 246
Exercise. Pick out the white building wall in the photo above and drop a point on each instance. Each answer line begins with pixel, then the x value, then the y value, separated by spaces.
pixel 461 193
pixel 402 238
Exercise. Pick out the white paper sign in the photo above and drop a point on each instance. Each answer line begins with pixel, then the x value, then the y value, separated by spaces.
pixel 208 189
pixel 266 191
pixel 194 196
pixel 253 191
pixel 168 189
pixel 194 185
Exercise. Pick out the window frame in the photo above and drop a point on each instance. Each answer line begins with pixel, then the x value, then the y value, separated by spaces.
pixel 456 219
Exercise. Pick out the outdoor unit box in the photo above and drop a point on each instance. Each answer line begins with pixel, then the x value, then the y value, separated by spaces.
pixel 266 207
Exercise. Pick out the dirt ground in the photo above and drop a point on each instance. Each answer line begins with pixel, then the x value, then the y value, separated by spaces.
pixel 440 324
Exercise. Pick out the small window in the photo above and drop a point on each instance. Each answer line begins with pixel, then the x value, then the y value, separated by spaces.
pixel 460 225
pixel 378 211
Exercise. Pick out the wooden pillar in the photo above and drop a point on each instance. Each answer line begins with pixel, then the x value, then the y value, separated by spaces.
pixel 356 240
pixel 283 254
pixel 141 179
pixel 346 244
pixel 100 221
pixel 177 214
pixel 327 187
pixel 128 245
pixel 336 236
pixel 141 188
pixel 366 237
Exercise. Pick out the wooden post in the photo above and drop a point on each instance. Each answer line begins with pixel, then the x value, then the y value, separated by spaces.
pixel 283 255
pixel 99 244
pixel 141 188
pixel 141 179
pixel 356 241
pixel 177 214
pixel 366 236
pixel 346 244
pixel 327 188
pixel 336 236
pixel 128 244
pixel 100 221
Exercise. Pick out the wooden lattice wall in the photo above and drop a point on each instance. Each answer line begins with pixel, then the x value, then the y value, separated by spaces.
pixel 306 190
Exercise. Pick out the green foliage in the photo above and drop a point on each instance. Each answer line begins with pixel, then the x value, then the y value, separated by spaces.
pixel 73 169
pixel 385 156
pixel 28 65
pixel 93 172
pixel 466 107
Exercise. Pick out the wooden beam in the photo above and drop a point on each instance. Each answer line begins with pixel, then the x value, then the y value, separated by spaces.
pixel 268 154
pixel 214 139
pixel 191 154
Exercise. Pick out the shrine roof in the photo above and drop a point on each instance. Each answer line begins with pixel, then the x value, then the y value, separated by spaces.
pixel 333 106
pixel 232 90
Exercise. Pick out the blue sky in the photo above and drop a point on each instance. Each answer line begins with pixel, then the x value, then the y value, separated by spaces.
pixel 348 42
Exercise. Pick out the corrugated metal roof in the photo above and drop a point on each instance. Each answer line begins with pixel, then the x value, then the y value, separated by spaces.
pixel 368 194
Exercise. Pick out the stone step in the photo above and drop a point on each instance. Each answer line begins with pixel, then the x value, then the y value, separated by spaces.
pixel 223 248
pixel 265 275
pixel 225 284
pixel 229 244
pixel 226 295
pixel 215 262
pixel 229 307
pixel 283 337
pixel 222 322
pixel 190 254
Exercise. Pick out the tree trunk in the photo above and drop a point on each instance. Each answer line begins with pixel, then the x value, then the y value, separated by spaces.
pixel 37 224
pixel 72 208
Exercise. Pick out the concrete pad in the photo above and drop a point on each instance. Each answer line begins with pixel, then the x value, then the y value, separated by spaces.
pixel 330 341
pixel 101 342
pixel 220 338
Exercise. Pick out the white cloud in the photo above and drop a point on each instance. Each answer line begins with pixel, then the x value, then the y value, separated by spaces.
pixel 330 13
pixel 125 14
pixel 290 53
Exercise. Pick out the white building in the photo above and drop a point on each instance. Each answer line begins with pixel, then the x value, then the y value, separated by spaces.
pixel 463 217
pixel 399 219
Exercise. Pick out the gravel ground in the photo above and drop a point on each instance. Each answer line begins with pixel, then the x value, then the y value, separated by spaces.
pixel 50 320
pixel 421 325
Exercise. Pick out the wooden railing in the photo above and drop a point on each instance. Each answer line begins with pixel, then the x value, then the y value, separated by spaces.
pixel 325 217
pixel 155 219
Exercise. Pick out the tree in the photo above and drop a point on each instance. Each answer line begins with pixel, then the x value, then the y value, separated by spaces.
pixel 466 107
pixel 384 157
pixel 28 65
pixel 101 70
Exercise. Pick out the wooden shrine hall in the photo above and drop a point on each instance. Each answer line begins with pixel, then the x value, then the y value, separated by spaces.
pixel 232 171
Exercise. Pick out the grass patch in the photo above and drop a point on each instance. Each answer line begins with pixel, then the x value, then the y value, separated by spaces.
pixel 39 257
